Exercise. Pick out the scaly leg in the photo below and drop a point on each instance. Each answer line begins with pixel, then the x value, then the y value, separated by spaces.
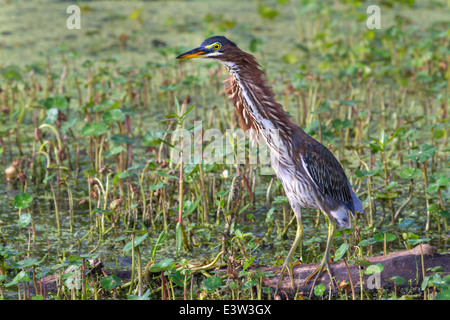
pixel 324 263
pixel 287 261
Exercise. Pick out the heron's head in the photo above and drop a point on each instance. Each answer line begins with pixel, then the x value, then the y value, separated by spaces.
pixel 217 48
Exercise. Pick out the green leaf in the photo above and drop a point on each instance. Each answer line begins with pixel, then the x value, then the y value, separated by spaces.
pixel 58 102
pixel 380 237
pixel 212 283
pixel 126 174
pixel 21 276
pixel 22 200
pixel 191 207
pixel 398 280
pixel 410 173
pixel 417 241
pixel 248 263
pixel 114 115
pixel 406 223
pixel 269 215
pixel 281 199
pixel 177 277
pixel 118 139
pixel 11 73
pixel 425 282
pixel 319 290
pixel 115 150
pixel 165 175
pixel 90 256
pixel 249 283
pixel 137 241
pixel 374 268
pixel 145 296
pixel 267 12
pixel 110 282
pixel 443 181
pixel 25 263
pixel 368 242
pixel 157 186
pixel 426 151
pixel 341 251
pixel 24 219
pixel 256 44
pixel 106 105
pixel 95 129
pixel 362 263
pixel 290 58
pixel 163 265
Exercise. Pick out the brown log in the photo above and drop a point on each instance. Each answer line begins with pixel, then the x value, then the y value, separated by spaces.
pixel 406 264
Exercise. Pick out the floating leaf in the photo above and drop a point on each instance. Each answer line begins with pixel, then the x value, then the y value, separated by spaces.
pixel 22 200
pixel 24 219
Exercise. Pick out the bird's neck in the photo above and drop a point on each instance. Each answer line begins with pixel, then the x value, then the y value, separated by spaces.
pixel 255 103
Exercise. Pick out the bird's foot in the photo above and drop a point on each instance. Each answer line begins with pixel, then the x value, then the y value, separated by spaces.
pixel 318 272
pixel 287 266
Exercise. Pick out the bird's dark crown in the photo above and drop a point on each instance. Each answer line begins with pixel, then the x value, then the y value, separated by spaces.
pixel 221 39
pixel 217 47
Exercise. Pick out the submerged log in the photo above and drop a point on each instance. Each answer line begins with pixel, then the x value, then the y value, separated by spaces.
pixel 406 264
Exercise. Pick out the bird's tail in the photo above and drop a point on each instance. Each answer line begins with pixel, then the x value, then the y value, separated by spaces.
pixel 357 204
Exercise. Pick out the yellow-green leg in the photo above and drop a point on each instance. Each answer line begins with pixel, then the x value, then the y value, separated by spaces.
pixel 287 261
pixel 324 263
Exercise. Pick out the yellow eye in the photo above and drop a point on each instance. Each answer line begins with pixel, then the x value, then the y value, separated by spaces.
pixel 216 46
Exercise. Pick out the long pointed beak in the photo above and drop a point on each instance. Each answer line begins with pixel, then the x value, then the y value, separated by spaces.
pixel 194 53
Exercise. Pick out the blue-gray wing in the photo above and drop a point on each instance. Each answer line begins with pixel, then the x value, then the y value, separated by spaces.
pixel 327 174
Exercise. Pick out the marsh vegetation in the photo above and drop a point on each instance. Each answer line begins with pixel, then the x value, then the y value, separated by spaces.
pixel 86 144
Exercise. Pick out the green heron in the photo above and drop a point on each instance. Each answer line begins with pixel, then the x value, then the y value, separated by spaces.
pixel 310 174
